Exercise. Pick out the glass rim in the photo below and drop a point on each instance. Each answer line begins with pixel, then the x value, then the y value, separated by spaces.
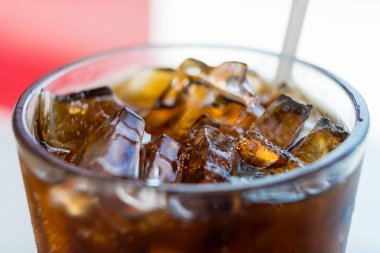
pixel 355 138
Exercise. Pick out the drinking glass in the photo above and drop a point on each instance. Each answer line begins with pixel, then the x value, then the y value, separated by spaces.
pixel 307 210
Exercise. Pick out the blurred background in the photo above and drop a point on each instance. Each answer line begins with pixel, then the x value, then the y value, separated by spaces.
pixel 41 35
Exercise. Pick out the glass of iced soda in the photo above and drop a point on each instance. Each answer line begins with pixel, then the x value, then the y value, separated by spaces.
pixel 190 149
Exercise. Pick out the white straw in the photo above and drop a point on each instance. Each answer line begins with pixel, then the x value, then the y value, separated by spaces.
pixel 293 32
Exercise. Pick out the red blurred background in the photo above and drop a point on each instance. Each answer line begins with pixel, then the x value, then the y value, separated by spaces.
pixel 40 35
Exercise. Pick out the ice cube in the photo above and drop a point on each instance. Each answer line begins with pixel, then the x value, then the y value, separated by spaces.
pixel 173 95
pixel 65 120
pixel 224 110
pixel 194 69
pixel 172 102
pixel 262 145
pixel 199 100
pixel 230 113
pixel 162 161
pixel 143 88
pixel 324 138
pixel 114 149
pixel 199 97
pixel 197 89
pixel 204 120
pixel 282 121
pixel 230 77
pixel 188 72
pixel 228 116
pixel 258 151
pixel 209 158
pixel 204 100
pixel 255 82
pixel 159 120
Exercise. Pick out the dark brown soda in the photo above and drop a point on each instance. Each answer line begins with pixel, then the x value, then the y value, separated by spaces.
pixel 226 222
pixel 195 124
